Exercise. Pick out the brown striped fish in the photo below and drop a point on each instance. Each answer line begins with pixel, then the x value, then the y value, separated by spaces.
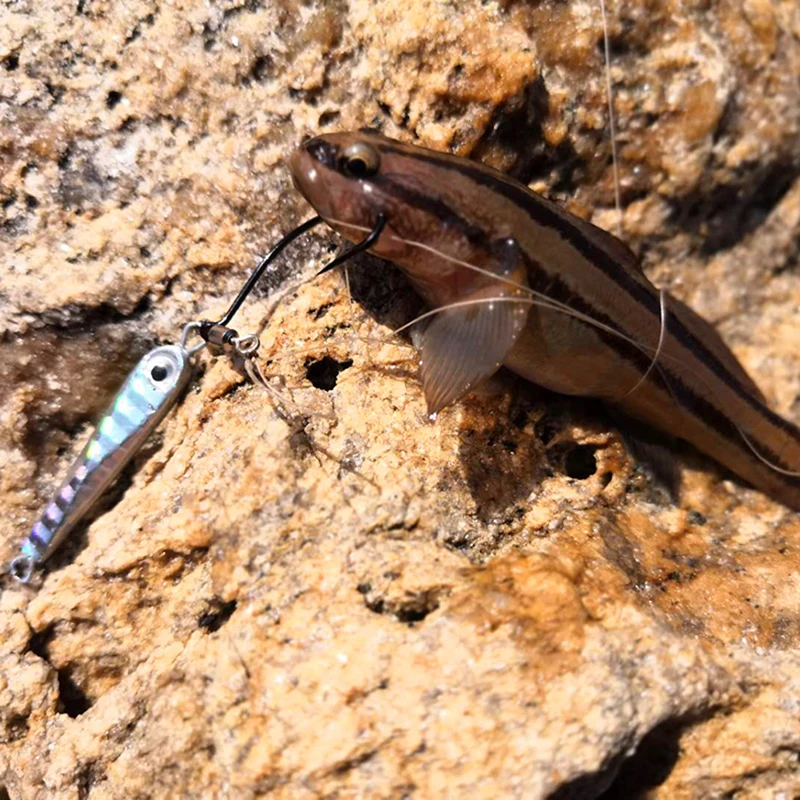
pixel 515 280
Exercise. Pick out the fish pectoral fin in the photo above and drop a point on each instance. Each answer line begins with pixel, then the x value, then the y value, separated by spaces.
pixel 467 343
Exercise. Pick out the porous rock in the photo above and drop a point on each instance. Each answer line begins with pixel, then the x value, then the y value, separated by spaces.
pixel 316 591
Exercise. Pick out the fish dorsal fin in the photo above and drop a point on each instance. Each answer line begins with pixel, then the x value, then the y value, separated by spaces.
pixel 467 341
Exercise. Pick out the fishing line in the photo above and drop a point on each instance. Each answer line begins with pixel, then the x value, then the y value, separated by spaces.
pixel 662 302
pixel 611 119
pixel 556 305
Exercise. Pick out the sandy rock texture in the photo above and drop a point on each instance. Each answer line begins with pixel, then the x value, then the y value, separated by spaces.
pixel 331 596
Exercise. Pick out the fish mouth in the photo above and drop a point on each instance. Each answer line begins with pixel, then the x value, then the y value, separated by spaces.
pixel 338 200
pixel 309 179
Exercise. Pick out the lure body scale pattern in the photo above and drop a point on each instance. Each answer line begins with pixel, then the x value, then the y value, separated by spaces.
pixel 483 247
pixel 147 395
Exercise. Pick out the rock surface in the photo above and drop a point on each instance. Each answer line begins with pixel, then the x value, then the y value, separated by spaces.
pixel 332 596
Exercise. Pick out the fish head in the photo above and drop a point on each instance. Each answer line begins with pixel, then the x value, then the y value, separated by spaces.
pixel 351 178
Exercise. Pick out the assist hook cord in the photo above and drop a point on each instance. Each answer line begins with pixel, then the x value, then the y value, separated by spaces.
pixel 220 334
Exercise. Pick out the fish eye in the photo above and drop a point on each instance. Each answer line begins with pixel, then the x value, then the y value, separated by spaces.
pixel 360 160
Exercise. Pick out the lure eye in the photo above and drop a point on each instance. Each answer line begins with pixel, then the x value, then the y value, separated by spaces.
pixel 161 371
pixel 360 160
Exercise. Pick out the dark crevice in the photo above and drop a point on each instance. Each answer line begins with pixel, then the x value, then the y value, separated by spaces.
pixel 4 795
pixel 309 96
pixel 651 763
pixel 16 728
pixel 727 119
pixel 726 214
pixel 12 227
pixel 113 98
pixel 323 373
pixel 39 643
pixel 88 777
pixel 593 785
pixel 179 564
pixel 417 608
pixel 515 135
pixel 136 31
pixel 128 124
pixel 55 92
pixel 77 318
pixel 263 68
pixel 490 450
pixel 328 118
pixel 412 608
pixel 65 158
pixel 580 461
pixel 251 6
pixel 73 699
pixel 217 614
pixel 321 311
pixel 356 761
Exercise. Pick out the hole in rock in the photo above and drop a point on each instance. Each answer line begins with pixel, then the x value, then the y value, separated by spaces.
pixel 650 764
pixel 417 609
pixel 410 609
pixel 580 462
pixel 324 372
pixel 217 614
pixel 39 642
pixel 113 98
pixel 263 68
pixel 74 701
pixel 328 118
pixel 16 729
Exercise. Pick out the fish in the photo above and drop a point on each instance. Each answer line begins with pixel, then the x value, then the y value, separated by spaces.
pixel 512 279
pixel 151 389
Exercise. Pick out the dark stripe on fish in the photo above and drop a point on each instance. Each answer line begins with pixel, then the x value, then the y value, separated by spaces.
pixel 544 216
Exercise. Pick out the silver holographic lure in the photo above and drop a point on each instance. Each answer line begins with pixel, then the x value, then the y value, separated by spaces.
pixel 149 392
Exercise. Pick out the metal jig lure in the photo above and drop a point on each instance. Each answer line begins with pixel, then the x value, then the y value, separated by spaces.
pixel 149 392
